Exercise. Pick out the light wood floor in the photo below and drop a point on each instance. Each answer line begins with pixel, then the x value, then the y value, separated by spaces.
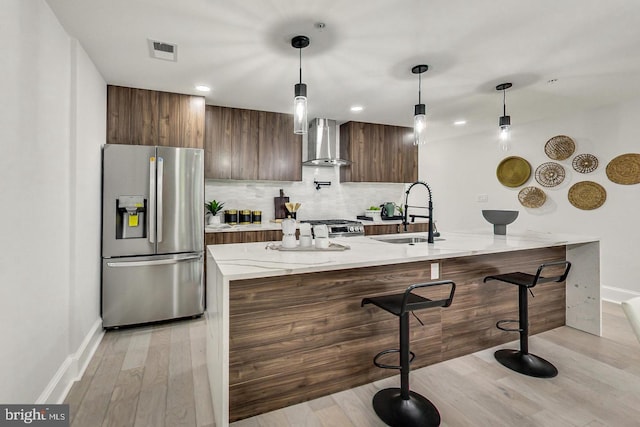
pixel 156 376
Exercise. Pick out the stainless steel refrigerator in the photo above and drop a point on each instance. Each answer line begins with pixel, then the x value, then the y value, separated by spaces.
pixel 152 233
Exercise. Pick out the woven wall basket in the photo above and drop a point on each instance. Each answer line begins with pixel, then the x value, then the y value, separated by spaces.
pixel 559 147
pixel 587 195
pixel 550 174
pixel 624 169
pixel 584 163
pixel 531 197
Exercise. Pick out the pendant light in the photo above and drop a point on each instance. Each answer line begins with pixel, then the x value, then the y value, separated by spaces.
pixel 504 132
pixel 300 91
pixel 420 110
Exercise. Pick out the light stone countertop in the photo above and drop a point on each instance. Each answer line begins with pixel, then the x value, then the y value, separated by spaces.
pixel 251 260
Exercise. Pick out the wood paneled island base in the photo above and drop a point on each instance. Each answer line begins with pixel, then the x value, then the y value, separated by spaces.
pixel 297 337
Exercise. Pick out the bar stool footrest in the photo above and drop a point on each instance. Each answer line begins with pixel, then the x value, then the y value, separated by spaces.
pixel 389 351
pixel 502 328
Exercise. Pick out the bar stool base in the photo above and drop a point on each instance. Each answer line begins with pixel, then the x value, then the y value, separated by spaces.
pixel 526 364
pixel 418 411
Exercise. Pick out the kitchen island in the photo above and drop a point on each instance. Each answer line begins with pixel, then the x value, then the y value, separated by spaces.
pixel 286 327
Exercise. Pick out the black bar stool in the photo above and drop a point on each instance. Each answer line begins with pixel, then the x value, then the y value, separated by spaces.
pixel 521 360
pixel 399 406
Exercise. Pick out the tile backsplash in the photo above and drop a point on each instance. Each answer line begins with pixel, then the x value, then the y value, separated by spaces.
pixel 337 201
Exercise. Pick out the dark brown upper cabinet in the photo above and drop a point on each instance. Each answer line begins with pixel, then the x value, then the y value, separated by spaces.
pixel 251 145
pixel 379 153
pixel 229 141
pixel 147 117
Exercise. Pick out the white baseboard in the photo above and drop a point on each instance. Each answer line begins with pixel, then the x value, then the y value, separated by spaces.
pixel 73 367
pixel 617 295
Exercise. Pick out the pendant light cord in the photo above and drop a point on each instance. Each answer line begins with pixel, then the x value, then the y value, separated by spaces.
pixel 300 64
pixel 504 102
pixel 419 88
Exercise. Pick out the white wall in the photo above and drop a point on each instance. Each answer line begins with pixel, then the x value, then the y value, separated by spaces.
pixel 460 169
pixel 39 276
pixel 88 131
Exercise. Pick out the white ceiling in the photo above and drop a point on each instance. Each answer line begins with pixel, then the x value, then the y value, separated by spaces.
pixel 364 55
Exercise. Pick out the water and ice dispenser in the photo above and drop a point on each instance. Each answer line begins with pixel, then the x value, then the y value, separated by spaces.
pixel 130 217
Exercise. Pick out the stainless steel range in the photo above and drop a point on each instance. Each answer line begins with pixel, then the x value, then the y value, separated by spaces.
pixel 339 227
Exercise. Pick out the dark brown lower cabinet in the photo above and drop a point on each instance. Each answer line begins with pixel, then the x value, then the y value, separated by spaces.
pixel 377 229
pixel 242 237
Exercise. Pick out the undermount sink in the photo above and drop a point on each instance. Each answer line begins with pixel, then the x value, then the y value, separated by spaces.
pixel 403 240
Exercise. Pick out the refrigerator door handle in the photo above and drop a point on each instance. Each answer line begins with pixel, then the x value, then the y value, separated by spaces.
pixel 152 200
pixel 155 262
pixel 159 196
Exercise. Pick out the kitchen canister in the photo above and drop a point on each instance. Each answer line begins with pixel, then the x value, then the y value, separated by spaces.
pixel 256 217
pixel 231 216
pixel 245 217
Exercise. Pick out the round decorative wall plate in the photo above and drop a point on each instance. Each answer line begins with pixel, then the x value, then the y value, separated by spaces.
pixel 624 169
pixel 513 171
pixel 559 147
pixel 550 174
pixel 584 163
pixel 532 197
pixel 587 195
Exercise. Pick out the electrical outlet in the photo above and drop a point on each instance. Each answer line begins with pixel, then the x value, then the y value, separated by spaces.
pixel 482 198
pixel 435 270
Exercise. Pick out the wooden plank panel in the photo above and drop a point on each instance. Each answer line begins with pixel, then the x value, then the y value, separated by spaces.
pixel 169 120
pixel 280 149
pixel 180 409
pixel 408 155
pixel 96 400
pixel 124 399
pixel 380 153
pixel 132 116
pixel 243 141
pixel 191 121
pixel 346 139
pixel 309 331
pixel 217 161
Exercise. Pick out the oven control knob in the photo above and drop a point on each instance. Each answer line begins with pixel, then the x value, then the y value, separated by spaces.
pixel 351 228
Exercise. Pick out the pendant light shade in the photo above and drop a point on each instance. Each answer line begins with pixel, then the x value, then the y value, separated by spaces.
pixel 300 91
pixel 504 129
pixel 420 110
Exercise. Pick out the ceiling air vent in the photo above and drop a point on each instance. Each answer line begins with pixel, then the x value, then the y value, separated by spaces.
pixel 162 50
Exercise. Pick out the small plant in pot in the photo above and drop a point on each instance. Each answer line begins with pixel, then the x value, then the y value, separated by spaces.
pixel 214 207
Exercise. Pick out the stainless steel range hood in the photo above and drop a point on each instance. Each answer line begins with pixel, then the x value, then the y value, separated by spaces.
pixel 322 144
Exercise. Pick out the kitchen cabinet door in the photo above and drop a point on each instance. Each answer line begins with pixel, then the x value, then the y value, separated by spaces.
pixel 132 116
pixel 231 143
pixel 147 117
pixel 280 150
pixel 181 120
pixel 380 153
pixel 242 237
pixel 377 229
pixel 251 145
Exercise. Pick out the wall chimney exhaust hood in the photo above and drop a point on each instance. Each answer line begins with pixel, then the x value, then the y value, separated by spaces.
pixel 322 144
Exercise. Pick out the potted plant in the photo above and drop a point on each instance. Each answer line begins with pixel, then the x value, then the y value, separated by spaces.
pixel 214 207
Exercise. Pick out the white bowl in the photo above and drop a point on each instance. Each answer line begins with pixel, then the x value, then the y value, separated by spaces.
pixel 375 214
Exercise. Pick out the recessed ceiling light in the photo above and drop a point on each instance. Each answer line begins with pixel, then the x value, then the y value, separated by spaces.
pixel 357 108
pixel 203 88
pixel 460 122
